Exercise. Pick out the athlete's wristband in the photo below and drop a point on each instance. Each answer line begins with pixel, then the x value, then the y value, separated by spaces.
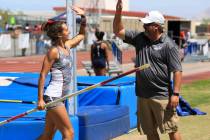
pixel 175 94
pixel 83 20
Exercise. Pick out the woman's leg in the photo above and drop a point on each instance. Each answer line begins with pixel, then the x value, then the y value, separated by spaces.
pixel 50 128
pixel 103 71
pixel 62 122
pixel 100 71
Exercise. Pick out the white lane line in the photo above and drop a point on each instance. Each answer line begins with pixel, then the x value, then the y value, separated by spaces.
pixel 31 62
pixel 12 62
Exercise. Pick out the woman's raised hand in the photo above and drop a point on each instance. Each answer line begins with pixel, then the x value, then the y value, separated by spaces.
pixel 78 10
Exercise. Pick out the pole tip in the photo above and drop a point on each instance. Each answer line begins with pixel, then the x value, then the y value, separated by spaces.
pixel 144 66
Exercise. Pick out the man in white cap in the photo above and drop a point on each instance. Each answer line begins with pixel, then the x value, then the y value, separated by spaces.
pixel 157 100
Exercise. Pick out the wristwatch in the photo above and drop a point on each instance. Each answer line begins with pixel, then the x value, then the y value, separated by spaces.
pixel 175 94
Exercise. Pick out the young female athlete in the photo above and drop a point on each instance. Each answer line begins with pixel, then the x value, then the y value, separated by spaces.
pixel 58 61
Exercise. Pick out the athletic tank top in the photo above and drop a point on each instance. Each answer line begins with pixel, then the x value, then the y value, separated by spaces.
pixel 98 52
pixel 60 75
pixel 99 57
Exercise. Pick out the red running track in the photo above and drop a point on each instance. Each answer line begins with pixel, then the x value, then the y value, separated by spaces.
pixel 34 64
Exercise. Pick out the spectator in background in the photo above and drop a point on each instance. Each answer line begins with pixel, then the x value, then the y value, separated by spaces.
pixel 25 30
pixel 182 44
pixel 27 27
pixel 39 36
pixel 188 34
pixel 6 26
pixel 182 39
pixel 1 30
pixel 99 55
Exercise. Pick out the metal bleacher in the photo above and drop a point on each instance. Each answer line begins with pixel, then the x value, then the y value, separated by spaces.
pixel 113 68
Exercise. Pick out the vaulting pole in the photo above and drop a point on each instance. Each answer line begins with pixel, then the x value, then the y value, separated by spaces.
pixel 17 101
pixel 77 93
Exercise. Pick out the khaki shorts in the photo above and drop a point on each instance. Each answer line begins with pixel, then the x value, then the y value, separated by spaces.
pixel 48 99
pixel 153 114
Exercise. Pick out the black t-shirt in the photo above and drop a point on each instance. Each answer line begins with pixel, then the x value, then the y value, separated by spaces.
pixel 163 57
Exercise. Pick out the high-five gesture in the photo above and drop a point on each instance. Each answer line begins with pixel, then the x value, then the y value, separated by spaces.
pixel 78 38
pixel 119 6
pixel 78 10
pixel 117 23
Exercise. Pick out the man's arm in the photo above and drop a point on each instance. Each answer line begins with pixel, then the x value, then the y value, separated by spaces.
pixel 91 55
pixel 177 81
pixel 118 28
pixel 174 99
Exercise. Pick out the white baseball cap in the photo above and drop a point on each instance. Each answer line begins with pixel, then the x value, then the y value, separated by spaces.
pixel 153 17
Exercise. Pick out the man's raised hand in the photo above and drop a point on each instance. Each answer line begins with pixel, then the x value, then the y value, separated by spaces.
pixel 119 6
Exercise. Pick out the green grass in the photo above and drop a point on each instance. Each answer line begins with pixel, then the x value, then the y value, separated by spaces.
pixel 197 93
pixel 197 127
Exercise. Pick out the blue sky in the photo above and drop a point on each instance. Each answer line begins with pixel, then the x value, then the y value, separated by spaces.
pixel 183 8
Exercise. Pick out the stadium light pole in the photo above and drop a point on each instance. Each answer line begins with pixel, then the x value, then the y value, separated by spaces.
pixel 71 22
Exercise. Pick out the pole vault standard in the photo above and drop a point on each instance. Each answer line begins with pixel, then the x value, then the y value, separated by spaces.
pixel 77 93
pixel 71 104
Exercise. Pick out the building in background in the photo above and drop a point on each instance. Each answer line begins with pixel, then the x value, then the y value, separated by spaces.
pixel 35 17
pixel 102 4
pixel 100 14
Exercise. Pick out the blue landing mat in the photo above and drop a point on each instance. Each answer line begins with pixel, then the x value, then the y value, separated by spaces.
pixel 28 127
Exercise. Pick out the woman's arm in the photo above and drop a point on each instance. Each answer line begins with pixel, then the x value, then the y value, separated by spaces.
pixel 91 55
pixel 78 38
pixel 49 59
pixel 104 45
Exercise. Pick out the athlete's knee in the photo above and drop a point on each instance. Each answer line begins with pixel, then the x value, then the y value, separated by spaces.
pixel 46 136
pixel 68 133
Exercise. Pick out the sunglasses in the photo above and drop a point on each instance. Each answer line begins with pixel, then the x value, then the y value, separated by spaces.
pixel 52 21
pixel 150 24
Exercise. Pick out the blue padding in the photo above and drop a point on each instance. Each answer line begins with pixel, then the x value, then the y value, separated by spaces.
pixel 31 79
pixel 25 88
pixel 105 131
pixel 33 123
pixel 122 94
pixel 90 80
pixel 21 130
pixel 13 109
pixel 89 115
pixel 18 92
pixel 128 98
pixel 26 79
pixel 103 122
pixel 19 74
pixel 31 130
pixel 98 96
pixel 117 52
